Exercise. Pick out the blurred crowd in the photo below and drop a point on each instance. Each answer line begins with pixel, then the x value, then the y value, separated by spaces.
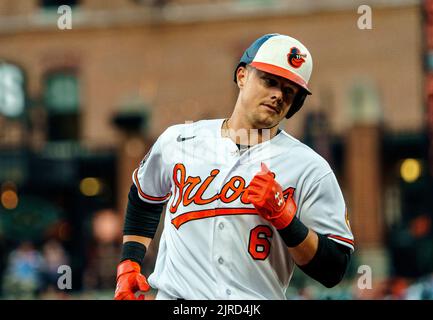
pixel 32 272
pixel 392 288
pixel 48 271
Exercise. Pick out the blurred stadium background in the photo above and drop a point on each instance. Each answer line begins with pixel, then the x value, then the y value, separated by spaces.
pixel 79 108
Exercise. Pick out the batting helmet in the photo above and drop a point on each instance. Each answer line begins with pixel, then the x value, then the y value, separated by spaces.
pixel 282 56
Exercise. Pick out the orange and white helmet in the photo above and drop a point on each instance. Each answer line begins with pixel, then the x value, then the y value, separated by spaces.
pixel 282 56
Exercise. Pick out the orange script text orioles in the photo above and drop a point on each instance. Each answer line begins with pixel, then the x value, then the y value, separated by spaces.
pixel 232 190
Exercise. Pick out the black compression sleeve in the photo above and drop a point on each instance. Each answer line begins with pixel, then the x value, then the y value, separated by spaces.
pixel 141 218
pixel 330 262
pixel 134 251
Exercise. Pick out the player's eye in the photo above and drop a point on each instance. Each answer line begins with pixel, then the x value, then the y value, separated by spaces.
pixel 270 82
pixel 288 92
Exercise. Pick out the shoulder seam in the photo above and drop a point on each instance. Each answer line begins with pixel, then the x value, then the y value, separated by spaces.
pixel 322 177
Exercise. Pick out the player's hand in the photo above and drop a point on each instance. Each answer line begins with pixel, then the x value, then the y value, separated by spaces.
pixel 267 197
pixel 130 281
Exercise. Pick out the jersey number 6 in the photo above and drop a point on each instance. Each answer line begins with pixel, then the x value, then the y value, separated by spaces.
pixel 259 245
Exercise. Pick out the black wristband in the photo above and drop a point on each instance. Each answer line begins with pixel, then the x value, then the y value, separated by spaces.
pixel 294 233
pixel 134 251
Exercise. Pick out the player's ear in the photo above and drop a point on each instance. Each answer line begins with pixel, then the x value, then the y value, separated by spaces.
pixel 241 76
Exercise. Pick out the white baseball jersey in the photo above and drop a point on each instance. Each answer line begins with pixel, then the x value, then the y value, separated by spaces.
pixel 214 244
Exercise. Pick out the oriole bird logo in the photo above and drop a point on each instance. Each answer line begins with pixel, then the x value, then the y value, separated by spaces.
pixel 295 57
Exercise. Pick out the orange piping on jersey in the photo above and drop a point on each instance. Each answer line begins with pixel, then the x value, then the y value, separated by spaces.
pixel 347 220
pixel 351 242
pixel 202 214
pixel 145 196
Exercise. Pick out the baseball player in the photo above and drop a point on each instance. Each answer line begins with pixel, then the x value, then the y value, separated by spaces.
pixel 245 201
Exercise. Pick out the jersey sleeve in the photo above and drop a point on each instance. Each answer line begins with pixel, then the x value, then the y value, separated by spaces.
pixel 151 177
pixel 324 210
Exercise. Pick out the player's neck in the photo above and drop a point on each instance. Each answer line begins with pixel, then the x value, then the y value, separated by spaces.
pixel 244 133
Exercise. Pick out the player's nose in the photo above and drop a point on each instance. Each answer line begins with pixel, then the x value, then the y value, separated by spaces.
pixel 277 95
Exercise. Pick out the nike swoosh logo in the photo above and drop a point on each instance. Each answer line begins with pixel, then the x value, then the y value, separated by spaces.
pixel 180 138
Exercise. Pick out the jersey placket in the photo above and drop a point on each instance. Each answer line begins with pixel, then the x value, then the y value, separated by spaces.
pixel 222 246
pixel 222 240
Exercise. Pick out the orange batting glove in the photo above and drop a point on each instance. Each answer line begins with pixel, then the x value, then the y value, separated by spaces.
pixel 129 281
pixel 267 197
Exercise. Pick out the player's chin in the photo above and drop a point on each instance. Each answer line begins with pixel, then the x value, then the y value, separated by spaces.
pixel 268 118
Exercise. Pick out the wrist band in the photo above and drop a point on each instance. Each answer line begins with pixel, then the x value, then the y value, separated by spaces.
pixel 294 233
pixel 134 251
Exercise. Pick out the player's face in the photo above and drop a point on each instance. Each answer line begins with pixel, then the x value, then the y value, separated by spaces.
pixel 265 98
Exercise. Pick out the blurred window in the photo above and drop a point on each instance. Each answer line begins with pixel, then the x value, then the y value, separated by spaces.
pixel 12 94
pixel 61 92
pixel 62 100
pixel 57 3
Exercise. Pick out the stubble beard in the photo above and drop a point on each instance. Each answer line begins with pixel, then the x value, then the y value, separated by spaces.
pixel 260 121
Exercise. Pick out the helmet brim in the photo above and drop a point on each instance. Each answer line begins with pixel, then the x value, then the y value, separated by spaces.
pixel 281 72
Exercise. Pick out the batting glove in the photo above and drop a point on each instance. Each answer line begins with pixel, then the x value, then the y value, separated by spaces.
pixel 267 197
pixel 130 281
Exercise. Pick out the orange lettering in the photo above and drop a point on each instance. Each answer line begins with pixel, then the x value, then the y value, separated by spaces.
pixel 179 167
pixel 184 189
pixel 230 185
pixel 193 182
pixel 203 187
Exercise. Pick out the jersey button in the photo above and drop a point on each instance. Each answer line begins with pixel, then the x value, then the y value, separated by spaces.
pixel 221 226
pixel 220 260
pixel 228 291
